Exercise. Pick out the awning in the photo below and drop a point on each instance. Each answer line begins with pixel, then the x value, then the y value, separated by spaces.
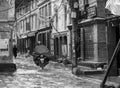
pixel 32 33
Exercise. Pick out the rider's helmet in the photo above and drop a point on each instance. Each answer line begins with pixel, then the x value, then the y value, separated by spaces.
pixel 39 43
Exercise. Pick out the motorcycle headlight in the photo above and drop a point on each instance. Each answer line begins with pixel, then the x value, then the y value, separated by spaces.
pixel 41 56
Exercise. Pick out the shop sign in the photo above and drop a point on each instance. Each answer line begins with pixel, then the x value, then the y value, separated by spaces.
pixel 92 12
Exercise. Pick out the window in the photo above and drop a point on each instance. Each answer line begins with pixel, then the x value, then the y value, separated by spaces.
pixel 27 8
pixel 45 10
pixel 85 2
pixel 34 22
pixel 49 5
pixel 33 4
pixel 23 10
pixel 31 22
pixel 22 26
pixel 17 14
pixel 28 24
pixel 42 15
pixel 70 20
pixel 20 12
pixel 81 5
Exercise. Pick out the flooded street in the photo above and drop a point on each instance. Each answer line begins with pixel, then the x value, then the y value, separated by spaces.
pixel 55 75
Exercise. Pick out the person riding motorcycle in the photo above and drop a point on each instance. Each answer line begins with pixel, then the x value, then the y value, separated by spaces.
pixel 40 55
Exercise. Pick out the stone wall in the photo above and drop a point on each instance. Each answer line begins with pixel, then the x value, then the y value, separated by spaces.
pixel 102 43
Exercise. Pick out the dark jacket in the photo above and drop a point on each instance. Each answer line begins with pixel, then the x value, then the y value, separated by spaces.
pixel 15 51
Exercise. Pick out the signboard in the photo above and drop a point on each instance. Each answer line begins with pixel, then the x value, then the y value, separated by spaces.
pixel 92 12
pixel 4 44
pixel 81 5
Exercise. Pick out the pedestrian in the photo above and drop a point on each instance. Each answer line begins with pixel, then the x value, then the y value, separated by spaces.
pixel 15 51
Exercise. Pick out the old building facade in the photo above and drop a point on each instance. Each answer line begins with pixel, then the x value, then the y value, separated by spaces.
pixel 26 24
pixel 53 31
pixel 44 17
pixel 60 33
pixel 47 21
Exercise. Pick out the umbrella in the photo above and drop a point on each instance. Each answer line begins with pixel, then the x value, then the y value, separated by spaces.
pixel 42 49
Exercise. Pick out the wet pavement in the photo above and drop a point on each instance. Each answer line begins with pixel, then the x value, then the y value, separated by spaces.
pixel 55 75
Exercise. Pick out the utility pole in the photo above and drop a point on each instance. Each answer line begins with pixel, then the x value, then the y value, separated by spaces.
pixel 74 10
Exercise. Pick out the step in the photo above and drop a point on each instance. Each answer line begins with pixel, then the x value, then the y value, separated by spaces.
pixel 82 70
pixel 113 85
pixel 92 64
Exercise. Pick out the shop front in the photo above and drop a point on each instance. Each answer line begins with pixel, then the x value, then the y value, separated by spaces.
pixel 44 37
pixel 61 45
pixel 21 44
pixel 31 41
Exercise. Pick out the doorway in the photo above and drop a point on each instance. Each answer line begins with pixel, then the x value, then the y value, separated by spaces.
pixel 113 35
pixel 117 36
pixel 117 39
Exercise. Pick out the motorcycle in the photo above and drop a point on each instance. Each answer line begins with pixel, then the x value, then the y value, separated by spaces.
pixel 40 59
pixel 42 56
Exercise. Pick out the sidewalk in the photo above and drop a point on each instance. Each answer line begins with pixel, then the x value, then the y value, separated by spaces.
pixel 113 80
